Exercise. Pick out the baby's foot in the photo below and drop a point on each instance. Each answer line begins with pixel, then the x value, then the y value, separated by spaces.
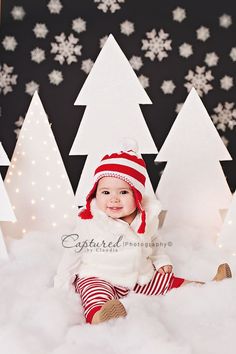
pixel 111 309
pixel 223 272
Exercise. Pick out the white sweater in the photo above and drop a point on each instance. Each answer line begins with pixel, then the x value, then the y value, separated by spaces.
pixel 115 251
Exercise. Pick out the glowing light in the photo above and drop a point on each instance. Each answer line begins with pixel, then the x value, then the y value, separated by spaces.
pixel 17 190
pixel 32 201
pixel 33 217
pixel 234 254
pixel 47 173
pixel 65 216
pixel 49 188
pixel 33 162
pixel 47 158
pixel 230 222
pixel 23 231
pixel 19 173
pixel 10 173
pixel 42 198
pixel 54 224
pixel 220 246
pixel 52 206
pixel 8 180
pixel 33 183
pixel 14 159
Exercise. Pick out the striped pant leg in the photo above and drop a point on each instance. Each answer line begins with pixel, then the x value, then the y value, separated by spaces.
pixel 158 285
pixel 94 292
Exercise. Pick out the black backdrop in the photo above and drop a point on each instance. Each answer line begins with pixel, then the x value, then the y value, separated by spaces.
pixel 58 100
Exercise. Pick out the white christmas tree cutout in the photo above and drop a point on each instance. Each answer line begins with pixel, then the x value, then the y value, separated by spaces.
pixel 6 211
pixel 36 181
pixel 193 188
pixel 227 238
pixel 112 93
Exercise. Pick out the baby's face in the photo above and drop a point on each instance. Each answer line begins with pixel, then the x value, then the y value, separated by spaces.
pixel 115 198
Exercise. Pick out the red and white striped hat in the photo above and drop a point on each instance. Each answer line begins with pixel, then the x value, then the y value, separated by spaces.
pixel 126 165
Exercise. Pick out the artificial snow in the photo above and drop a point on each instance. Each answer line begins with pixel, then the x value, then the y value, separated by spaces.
pixel 36 318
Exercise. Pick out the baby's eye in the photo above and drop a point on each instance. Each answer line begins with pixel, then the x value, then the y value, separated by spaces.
pixel 124 192
pixel 105 192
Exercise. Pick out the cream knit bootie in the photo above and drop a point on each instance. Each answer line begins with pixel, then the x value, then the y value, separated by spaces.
pixel 111 309
pixel 223 272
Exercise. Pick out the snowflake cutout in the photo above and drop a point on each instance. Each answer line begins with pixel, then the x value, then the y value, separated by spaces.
pixel 31 87
pixel 18 13
pixel 9 43
pixel 225 21
pixel 127 28
pixel 54 6
pixel 179 14
pixel 225 140
pixel 112 5
pixel 168 87
pixel 40 30
pixel 37 55
pixel 144 80
pixel 103 41
pixel 211 59
pixel 55 77
pixel 185 50
pixel 136 62
pixel 225 116
pixel 7 79
pixel 156 46
pixel 87 65
pixel 233 54
pixel 199 80
pixel 178 107
pixel 226 82
pixel 19 124
pixel 203 33
pixel 66 49
pixel 79 25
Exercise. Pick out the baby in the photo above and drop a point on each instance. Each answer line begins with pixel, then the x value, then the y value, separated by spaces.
pixel 115 249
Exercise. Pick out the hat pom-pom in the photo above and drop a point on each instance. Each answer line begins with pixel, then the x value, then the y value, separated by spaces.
pixel 128 144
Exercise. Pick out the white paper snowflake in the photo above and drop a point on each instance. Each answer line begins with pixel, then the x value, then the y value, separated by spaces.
pixel 178 107
pixel 156 46
pixel 185 50
pixel 225 140
pixel 144 80
pixel 18 13
pixel 54 6
pixel 31 87
pixel 211 59
pixel 199 80
pixel 226 82
pixel 203 33
pixel 127 28
pixel 9 43
pixel 37 55
pixel 40 30
pixel 112 5
pixel 55 77
pixel 136 62
pixel 233 54
pixel 19 124
pixel 66 49
pixel 103 41
pixel 79 25
pixel 87 65
pixel 179 14
pixel 7 80
pixel 168 87
pixel 225 21
pixel 225 116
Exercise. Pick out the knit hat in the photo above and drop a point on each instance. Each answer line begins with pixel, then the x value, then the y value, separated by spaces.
pixel 126 165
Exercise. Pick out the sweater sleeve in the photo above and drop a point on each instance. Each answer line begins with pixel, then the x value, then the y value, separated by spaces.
pixel 67 270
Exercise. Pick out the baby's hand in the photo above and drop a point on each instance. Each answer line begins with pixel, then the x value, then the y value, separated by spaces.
pixel 165 269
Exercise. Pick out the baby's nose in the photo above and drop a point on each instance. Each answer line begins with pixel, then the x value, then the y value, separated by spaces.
pixel 115 198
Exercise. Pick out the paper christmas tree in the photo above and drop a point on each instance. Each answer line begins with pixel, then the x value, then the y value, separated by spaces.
pixel 112 93
pixel 193 188
pixel 36 181
pixel 6 211
pixel 227 238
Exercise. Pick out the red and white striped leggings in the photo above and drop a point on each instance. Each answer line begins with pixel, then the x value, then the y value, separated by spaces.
pixel 94 292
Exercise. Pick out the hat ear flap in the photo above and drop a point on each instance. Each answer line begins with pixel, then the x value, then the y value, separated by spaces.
pixel 138 198
pixel 86 213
